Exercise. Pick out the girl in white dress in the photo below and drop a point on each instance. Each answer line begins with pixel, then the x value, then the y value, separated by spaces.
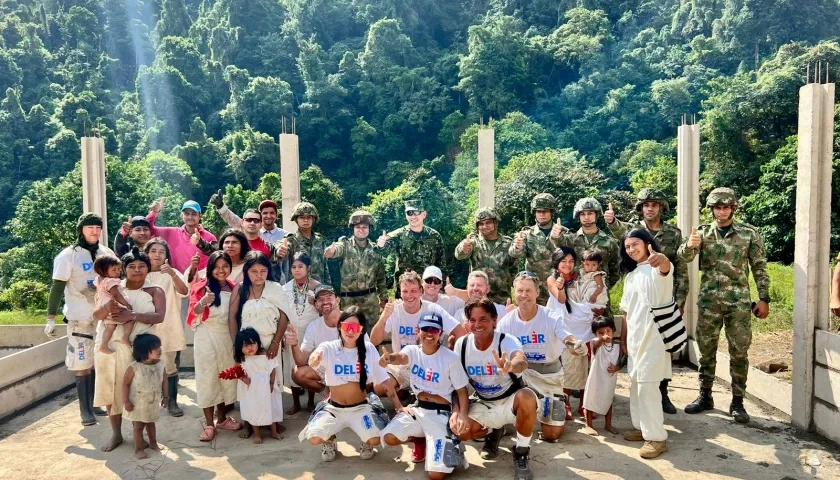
pixel 601 381
pixel 144 391
pixel 255 391
pixel 300 291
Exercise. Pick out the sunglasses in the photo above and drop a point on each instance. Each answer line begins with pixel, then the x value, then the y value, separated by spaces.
pixel 432 280
pixel 431 330
pixel 412 213
pixel 252 220
pixel 526 274
pixel 351 328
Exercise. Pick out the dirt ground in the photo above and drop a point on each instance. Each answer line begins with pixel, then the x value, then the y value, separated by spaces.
pixel 768 349
pixel 48 442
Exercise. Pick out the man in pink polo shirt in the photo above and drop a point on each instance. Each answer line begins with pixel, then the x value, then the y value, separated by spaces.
pixel 178 238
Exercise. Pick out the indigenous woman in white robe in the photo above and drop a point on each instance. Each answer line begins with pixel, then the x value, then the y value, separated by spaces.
pixel 301 297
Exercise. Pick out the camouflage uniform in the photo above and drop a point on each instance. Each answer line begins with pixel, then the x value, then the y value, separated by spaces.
pixel 313 246
pixel 538 246
pixel 362 272
pixel 414 251
pixel 602 241
pixel 491 257
pixel 669 238
pixel 724 294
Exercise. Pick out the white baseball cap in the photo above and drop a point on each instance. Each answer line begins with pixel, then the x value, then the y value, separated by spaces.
pixel 432 271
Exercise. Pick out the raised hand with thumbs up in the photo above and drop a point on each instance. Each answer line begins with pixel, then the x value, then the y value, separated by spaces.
pixel 466 245
pixel 217 200
pixel 658 260
pixel 694 240
pixel 557 229
pixel 291 336
pixel 382 240
pixel 157 205
pixel 167 269
pixel 519 241
pixel 283 248
pixel 609 214
pixel 509 306
pixel 208 298
pixel 126 227
pixel 449 289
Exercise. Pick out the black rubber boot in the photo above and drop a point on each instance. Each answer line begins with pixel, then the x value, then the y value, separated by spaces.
pixel 84 405
pixel 737 410
pixel 173 407
pixel 91 380
pixel 667 406
pixel 491 443
pixel 702 403
pixel 521 470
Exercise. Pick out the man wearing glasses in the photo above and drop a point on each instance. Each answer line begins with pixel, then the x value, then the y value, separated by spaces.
pixel 268 230
pixel 489 252
pixel 416 246
pixel 432 284
pixel 251 226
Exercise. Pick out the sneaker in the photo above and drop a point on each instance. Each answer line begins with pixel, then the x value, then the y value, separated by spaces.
pixel 328 450
pixel 633 436
pixel 521 470
pixel 418 453
pixel 365 451
pixel 653 449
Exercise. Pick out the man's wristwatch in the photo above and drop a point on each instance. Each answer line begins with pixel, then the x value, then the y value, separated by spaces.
pixel 765 299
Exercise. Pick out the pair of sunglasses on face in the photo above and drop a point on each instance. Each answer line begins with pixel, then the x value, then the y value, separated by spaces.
pixel 412 213
pixel 433 280
pixel 351 328
pixel 252 220
pixel 431 330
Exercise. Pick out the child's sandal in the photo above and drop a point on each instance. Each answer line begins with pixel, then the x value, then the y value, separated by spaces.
pixel 229 424
pixel 208 434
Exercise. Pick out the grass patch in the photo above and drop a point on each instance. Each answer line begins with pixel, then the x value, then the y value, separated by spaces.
pixel 26 317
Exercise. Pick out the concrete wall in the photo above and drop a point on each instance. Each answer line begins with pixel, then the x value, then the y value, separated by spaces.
pixel 25 336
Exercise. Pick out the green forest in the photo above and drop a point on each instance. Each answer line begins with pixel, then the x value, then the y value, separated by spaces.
pixel 387 96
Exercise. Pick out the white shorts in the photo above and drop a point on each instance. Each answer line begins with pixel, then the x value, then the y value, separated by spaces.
pixel 425 423
pixel 545 385
pixel 401 374
pixel 332 420
pixel 80 345
pixel 493 414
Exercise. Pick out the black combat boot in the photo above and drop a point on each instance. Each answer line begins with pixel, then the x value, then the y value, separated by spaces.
pixel 172 406
pixel 84 405
pixel 736 409
pixel 667 406
pixel 702 403
pixel 491 443
pixel 521 470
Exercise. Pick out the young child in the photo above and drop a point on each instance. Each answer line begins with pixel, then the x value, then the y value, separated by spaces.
pixel 255 391
pixel 145 391
pixel 600 385
pixel 108 288
pixel 590 285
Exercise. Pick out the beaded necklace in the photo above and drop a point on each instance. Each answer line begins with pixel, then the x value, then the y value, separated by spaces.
pixel 301 297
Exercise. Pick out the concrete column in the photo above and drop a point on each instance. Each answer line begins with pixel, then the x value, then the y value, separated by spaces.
pixel 486 167
pixel 688 208
pixel 93 181
pixel 813 231
pixel 289 177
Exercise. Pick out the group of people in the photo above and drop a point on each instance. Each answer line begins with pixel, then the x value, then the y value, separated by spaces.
pixel 510 348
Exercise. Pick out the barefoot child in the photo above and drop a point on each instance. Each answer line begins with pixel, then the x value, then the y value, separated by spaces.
pixel 108 289
pixel 145 391
pixel 600 385
pixel 255 390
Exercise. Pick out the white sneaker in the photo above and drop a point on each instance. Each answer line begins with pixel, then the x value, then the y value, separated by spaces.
pixel 328 450
pixel 366 451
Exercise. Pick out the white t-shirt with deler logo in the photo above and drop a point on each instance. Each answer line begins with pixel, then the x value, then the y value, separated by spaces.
pixel 403 326
pixel 74 266
pixel 319 332
pixel 341 364
pixel 438 374
pixel 541 337
pixel 487 379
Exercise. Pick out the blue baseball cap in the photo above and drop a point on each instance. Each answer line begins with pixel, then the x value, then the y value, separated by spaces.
pixel 431 319
pixel 192 205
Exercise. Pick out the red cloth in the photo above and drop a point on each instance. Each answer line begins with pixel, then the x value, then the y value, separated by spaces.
pixel 197 292
pixel 259 244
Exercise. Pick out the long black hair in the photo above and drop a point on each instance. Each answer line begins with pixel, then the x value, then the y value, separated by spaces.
pixel 627 263
pixel 556 258
pixel 158 241
pixel 134 255
pixel 254 257
pixel 245 247
pixel 246 336
pixel 214 285
pixel 143 346
pixel 361 349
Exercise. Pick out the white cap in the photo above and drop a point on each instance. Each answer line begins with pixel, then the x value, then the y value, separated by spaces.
pixel 432 271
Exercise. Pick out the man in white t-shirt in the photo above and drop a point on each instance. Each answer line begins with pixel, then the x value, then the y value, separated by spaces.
pixel 322 329
pixel 478 286
pixel 432 283
pixel 73 277
pixel 494 363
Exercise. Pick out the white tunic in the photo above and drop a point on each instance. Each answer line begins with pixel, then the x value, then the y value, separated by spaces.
pixel 213 353
pixel 171 331
pixel 255 400
pixel 600 385
pixel 645 287
pixel 301 322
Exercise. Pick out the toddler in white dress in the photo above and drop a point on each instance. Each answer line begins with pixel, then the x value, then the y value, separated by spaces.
pixel 256 390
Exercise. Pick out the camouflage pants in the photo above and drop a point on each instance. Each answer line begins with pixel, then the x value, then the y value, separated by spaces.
pixel 368 304
pixel 736 319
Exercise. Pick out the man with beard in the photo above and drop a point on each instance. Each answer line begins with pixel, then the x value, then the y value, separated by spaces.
pixel 538 242
pixel 362 268
pixel 488 251
pixel 651 204
pixel 73 277
pixel 305 215
pixel 728 252
pixel 136 231
pixel 178 238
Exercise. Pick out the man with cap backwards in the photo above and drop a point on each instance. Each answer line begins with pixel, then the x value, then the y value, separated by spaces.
pixel 651 204
pixel 305 215
pixel 489 251
pixel 267 210
pixel 136 231
pixel 494 363
pixel 728 252
pixel 73 277
pixel 589 236
pixel 432 284
pixel 362 267
pixel 415 245
pixel 538 242
pixel 181 248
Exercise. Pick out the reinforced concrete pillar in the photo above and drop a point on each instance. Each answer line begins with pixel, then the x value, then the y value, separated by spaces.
pixel 486 167
pixel 813 230
pixel 688 208
pixel 93 181
pixel 289 175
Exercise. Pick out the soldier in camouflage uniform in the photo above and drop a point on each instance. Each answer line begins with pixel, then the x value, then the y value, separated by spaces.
pixel 728 251
pixel 304 240
pixel 589 236
pixel 362 267
pixel 536 243
pixel 489 252
pixel 650 205
pixel 416 246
